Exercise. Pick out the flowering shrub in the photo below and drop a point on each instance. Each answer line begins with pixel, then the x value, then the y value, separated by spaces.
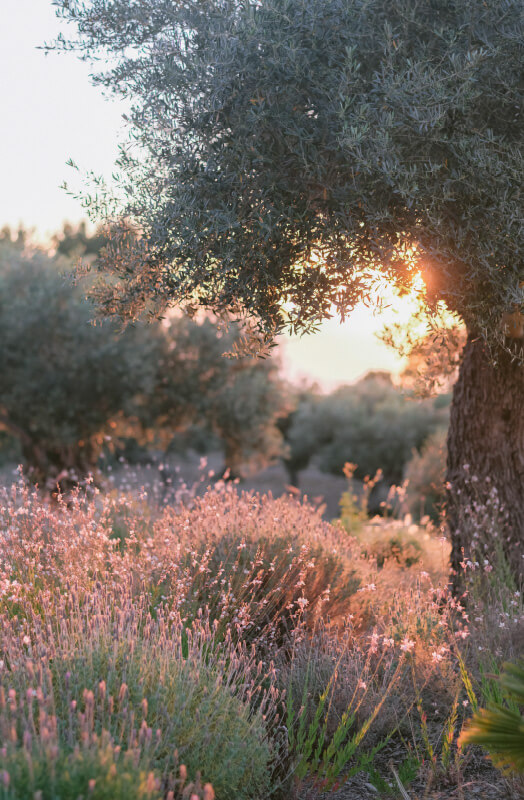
pixel 225 644
pixel 249 561
pixel 100 665
pixel 41 769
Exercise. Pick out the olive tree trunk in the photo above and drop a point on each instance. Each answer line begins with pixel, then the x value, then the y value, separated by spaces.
pixel 485 467
pixel 233 459
pixel 61 469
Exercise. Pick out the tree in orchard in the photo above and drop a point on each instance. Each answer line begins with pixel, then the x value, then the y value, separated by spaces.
pixel 64 381
pixel 287 155
pixel 240 400
pixel 73 242
pixel 67 385
pixel 304 430
pixel 376 427
pixel 372 424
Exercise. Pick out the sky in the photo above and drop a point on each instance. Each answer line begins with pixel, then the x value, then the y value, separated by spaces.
pixel 50 112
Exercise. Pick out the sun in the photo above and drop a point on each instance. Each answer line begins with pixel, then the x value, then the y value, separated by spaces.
pixel 342 352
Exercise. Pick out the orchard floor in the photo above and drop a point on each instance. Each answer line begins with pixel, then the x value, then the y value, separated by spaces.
pixel 318 486
pixel 472 789
pixel 480 782
pixel 194 469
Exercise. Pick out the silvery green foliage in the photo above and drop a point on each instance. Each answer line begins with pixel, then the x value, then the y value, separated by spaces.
pixel 372 424
pixel 63 380
pixel 239 400
pixel 265 130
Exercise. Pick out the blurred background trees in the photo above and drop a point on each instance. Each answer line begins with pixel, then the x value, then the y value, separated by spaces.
pixel 70 385
pixel 373 424
pixel 64 381
pixel 236 402
pixel 376 426
pixel 73 392
pixel 75 241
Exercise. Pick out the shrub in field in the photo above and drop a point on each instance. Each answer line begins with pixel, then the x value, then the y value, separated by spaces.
pixel 384 540
pixel 248 561
pixel 394 544
pixel 101 660
pixel 254 559
pixel 225 570
pixel 99 771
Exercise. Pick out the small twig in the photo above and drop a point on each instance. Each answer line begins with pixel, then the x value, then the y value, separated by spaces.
pixel 401 788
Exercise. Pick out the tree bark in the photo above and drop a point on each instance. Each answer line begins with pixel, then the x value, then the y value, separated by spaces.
pixel 233 460
pixel 486 457
pixel 61 469
pixel 292 474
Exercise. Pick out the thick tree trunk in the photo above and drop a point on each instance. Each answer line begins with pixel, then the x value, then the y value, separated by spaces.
pixel 292 474
pixel 486 459
pixel 233 461
pixel 59 470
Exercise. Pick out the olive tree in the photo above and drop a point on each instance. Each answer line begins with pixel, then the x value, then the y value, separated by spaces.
pixel 371 424
pixel 304 430
pixel 375 426
pixel 284 153
pixel 64 381
pixel 239 400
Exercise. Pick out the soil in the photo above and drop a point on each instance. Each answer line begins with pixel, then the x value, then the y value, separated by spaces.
pixel 480 782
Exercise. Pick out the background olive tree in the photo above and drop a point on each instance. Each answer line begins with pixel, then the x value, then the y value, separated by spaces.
pixel 373 424
pixel 68 385
pixel 237 400
pixel 64 381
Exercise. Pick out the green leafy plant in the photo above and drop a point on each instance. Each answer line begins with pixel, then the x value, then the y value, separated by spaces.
pixel 328 758
pixel 332 751
pixel 373 424
pixel 98 771
pixel 406 772
pixel 499 727
pixel 157 684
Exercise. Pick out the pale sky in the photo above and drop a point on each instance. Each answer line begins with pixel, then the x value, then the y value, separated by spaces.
pixel 49 112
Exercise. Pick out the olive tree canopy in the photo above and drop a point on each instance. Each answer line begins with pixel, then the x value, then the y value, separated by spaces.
pixel 282 149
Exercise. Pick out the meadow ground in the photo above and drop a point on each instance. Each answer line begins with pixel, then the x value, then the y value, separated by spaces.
pixel 165 640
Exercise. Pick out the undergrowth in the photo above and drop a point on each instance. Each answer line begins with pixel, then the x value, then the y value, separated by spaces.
pixel 235 646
